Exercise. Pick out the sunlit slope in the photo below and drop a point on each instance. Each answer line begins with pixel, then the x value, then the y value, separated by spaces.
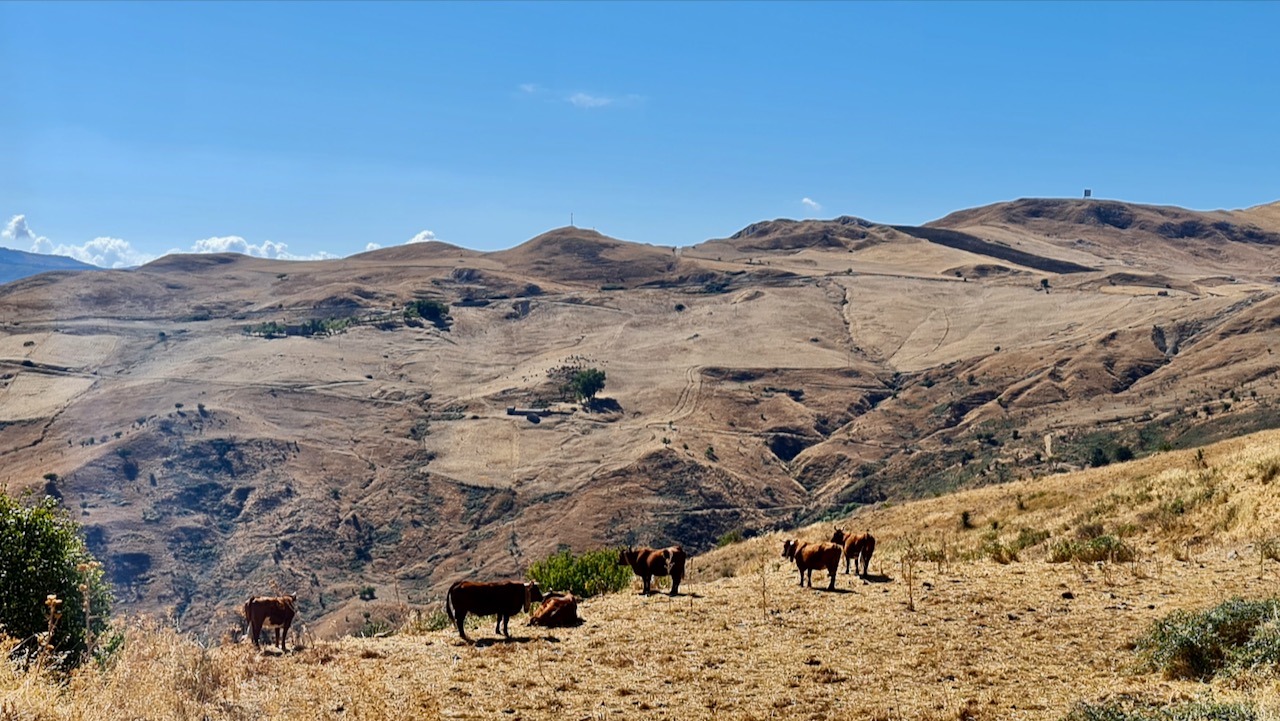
pixel 800 369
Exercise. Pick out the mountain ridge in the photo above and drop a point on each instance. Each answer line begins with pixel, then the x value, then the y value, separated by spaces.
pixel 288 423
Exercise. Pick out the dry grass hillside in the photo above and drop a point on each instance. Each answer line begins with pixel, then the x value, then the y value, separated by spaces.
pixel 966 614
pixel 224 425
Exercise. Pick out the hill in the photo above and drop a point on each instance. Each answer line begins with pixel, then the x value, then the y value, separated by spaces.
pixel 1239 244
pixel 16 264
pixel 972 610
pixel 222 424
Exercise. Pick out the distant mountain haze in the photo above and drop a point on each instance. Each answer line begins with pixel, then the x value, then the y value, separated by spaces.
pixel 15 264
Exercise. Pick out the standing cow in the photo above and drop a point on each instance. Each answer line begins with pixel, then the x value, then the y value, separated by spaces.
pixel 503 599
pixel 810 556
pixel 274 613
pixel 858 547
pixel 650 562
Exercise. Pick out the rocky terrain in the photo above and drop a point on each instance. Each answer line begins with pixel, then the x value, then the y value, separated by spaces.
pixel 223 425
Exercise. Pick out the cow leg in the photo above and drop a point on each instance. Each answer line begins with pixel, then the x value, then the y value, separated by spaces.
pixel 646 579
pixel 461 616
pixel 284 634
pixel 255 630
pixel 831 575
pixel 503 622
pixel 675 584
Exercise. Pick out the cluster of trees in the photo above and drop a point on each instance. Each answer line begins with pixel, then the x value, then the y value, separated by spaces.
pixel 414 313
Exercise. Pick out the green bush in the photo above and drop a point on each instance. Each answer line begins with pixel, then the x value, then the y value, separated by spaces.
pixel 432 311
pixel 590 574
pixel 1102 548
pixel 1190 711
pixel 53 596
pixel 730 538
pixel 585 384
pixel 1235 635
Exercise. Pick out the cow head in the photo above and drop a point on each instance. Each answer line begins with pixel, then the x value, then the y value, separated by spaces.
pixel 838 536
pixel 531 594
pixel 789 548
pixel 625 555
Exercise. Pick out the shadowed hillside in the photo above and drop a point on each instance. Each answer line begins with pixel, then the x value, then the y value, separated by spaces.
pixel 1032 600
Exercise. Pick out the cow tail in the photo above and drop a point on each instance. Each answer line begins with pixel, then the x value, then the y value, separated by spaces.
pixel 448 602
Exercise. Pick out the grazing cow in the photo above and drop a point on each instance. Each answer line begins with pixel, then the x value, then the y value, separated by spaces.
pixel 809 556
pixel 650 562
pixel 857 547
pixel 271 612
pixel 557 610
pixel 503 599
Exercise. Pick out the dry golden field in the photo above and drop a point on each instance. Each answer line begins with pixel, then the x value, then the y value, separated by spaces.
pixel 944 627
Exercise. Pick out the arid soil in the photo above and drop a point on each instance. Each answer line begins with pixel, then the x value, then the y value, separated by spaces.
pixel 794 371
pixel 940 629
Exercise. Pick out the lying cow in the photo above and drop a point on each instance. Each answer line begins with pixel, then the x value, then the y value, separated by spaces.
pixel 274 613
pixel 650 562
pixel 857 547
pixel 503 599
pixel 557 610
pixel 810 556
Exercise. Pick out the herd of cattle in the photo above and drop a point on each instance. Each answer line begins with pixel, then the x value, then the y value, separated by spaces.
pixel 504 599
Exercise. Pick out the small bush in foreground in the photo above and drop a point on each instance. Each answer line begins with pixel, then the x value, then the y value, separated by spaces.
pixel 591 574
pixel 1102 548
pixel 53 596
pixel 1192 711
pixel 426 623
pixel 730 538
pixel 1236 635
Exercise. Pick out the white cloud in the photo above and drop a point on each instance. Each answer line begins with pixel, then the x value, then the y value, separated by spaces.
pixel 268 249
pixel 811 204
pixel 107 252
pixel 371 246
pixel 530 88
pixel 425 236
pixel 582 100
pixel 590 102
pixel 18 232
pixel 104 252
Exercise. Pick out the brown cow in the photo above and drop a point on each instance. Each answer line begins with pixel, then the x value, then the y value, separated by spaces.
pixel 271 612
pixel 858 547
pixel 503 599
pixel 557 610
pixel 650 562
pixel 810 556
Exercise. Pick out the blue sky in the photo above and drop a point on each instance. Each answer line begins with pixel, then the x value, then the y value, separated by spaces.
pixel 309 129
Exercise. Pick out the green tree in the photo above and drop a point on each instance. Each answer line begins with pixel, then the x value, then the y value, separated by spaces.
pixel 49 580
pixel 585 384
pixel 1098 457
pixel 432 311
